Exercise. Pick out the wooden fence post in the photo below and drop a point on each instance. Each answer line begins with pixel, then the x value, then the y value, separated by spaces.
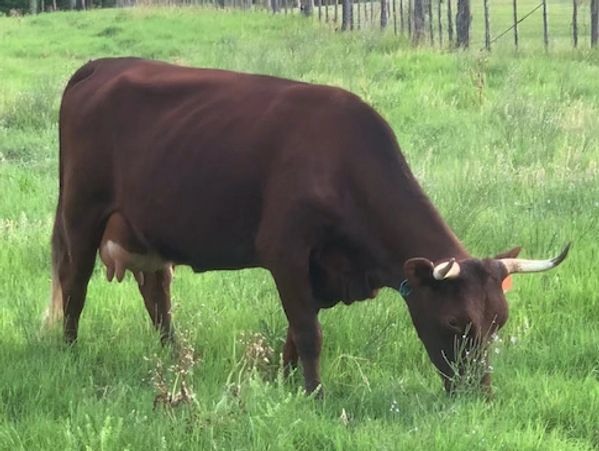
pixel 515 8
pixel 418 31
pixel 430 21
pixel 359 20
pixel 575 23
pixel 372 11
pixel 545 27
pixel 449 23
pixel 487 30
pixel 346 15
pixel 394 17
pixel 462 24
pixel 410 18
pixel 383 14
pixel 336 15
pixel 307 7
pixel 440 23
pixel 319 10
pixel 594 22
pixel 401 18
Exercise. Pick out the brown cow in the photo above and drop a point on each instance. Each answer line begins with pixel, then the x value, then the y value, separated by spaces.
pixel 164 165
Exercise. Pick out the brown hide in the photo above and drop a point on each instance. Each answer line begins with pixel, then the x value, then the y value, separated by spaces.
pixel 340 272
pixel 223 170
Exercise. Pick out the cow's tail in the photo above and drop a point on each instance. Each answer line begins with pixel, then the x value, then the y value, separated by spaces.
pixel 54 312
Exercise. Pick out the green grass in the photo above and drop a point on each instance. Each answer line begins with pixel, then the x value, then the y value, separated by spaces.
pixel 507 145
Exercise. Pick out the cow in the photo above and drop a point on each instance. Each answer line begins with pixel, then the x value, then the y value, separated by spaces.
pixel 163 165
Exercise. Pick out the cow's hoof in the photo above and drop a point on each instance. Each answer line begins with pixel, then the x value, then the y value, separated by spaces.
pixel 168 338
pixel 315 392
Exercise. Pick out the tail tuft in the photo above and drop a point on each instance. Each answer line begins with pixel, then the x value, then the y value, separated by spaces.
pixel 54 311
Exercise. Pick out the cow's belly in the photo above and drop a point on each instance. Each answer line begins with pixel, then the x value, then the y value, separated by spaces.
pixel 206 229
pixel 195 198
pixel 194 241
pixel 213 251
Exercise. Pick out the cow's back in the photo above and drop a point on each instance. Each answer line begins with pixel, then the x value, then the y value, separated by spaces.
pixel 188 155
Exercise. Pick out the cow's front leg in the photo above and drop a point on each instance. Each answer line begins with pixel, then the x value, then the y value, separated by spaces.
pixel 307 335
pixel 290 356
pixel 304 335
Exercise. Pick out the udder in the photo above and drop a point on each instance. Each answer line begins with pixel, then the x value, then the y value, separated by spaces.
pixel 120 250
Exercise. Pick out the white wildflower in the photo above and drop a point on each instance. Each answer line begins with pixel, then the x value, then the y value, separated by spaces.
pixel 344 417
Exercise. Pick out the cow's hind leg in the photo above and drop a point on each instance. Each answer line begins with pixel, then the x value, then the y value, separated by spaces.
pixel 74 267
pixel 155 289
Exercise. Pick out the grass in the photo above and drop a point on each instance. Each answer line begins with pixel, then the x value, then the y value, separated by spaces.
pixel 507 146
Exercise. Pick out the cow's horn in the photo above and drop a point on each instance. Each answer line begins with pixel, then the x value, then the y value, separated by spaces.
pixel 447 270
pixel 514 265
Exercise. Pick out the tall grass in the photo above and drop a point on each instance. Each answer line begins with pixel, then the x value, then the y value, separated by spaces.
pixel 506 145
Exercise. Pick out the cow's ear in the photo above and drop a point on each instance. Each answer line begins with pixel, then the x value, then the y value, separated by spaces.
pixel 500 271
pixel 418 271
pixel 512 253
pixel 506 285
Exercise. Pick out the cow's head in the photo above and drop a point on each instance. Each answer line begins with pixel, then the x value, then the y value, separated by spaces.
pixel 456 306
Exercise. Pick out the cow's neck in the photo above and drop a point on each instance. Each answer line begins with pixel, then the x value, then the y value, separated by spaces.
pixel 423 233
pixel 414 228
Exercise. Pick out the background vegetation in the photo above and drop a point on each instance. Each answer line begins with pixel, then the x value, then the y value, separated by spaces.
pixel 507 146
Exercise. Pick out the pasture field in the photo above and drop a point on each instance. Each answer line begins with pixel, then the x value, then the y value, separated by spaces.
pixel 506 145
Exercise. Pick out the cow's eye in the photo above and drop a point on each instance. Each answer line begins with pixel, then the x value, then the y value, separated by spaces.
pixel 455 326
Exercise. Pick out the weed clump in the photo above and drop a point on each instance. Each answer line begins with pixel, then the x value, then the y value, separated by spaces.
pixel 471 369
pixel 172 384
pixel 258 355
pixel 35 109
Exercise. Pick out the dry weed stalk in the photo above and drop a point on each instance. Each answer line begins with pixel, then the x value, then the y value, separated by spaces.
pixel 172 384
pixel 258 354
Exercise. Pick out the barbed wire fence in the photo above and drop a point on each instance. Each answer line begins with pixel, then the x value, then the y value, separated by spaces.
pixel 430 22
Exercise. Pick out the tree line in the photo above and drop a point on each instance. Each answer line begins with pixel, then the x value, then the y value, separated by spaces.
pixel 20 7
